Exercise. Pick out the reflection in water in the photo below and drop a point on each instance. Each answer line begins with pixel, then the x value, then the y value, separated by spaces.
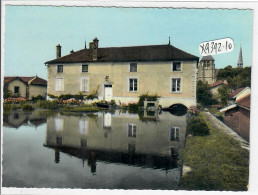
pixel 101 150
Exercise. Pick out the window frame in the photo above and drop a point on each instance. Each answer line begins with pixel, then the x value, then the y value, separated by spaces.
pixel 57 68
pixel 176 135
pixel 133 131
pixel 137 86
pixel 133 64
pixel 80 84
pixel 87 65
pixel 171 85
pixel 172 66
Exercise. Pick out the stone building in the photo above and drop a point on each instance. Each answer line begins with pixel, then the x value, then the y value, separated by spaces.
pixel 124 73
pixel 207 70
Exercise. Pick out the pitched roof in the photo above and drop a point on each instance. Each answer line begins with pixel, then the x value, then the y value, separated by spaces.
pixel 207 58
pixel 244 101
pixel 34 80
pixel 217 83
pixel 134 53
pixel 237 91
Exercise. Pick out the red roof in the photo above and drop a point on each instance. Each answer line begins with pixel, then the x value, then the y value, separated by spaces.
pixel 34 80
pixel 134 53
pixel 217 83
pixel 244 101
pixel 237 91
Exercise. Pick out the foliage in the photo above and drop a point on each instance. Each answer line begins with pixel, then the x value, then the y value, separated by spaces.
pixel 52 96
pixel 7 93
pixel 47 104
pixel 70 96
pixel 193 110
pixel 27 107
pixel 71 101
pixel 204 95
pixel 217 162
pixel 236 77
pixel 147 97
pixel 37 98
pixel 216 113
pixel 197 126
pixel 81 109
pixel 133 107
pixel 224 94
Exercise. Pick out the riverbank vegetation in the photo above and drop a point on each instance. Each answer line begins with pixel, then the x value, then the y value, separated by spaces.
pixel 216 160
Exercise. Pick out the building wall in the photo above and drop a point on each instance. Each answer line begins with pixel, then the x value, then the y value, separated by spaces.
pixel 207 74
pixel 20 84
pixel 153 77
pixel 239 120
pixel 35 90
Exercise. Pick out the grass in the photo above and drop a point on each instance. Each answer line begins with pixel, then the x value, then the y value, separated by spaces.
pixel 217 161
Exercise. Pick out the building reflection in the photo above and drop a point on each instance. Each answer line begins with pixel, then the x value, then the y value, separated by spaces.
pixel 118 138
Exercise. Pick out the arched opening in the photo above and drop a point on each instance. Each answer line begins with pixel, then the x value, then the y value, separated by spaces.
pixel 177 109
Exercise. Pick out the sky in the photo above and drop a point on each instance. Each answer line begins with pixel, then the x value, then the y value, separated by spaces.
pixel 32 32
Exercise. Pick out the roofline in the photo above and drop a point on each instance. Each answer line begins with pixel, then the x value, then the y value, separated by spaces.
pixel 243 107
pixel 241 91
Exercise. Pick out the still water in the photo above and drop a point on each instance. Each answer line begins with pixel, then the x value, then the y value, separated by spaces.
pixel 101 151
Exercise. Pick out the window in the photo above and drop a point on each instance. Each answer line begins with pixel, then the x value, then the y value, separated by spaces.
pixel 131 130
pixel 176 84
pixel 59 124
pixel 174 133
pixel 85 68
pixel 16 89
pixel 16 116
pixel 84 82
pixel 59 84
pixel 59 68
pixel 176 66
pixel 83 126
pixel 133 67
pixel 133 85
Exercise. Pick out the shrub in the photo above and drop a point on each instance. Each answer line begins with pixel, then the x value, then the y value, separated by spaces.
pixel 133 107
pixel 197 126
pixel 147 97
pixel 37 98
pixel 27 107
pixel 47 104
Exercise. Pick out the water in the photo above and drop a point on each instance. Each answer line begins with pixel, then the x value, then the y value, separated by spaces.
pixel 101 151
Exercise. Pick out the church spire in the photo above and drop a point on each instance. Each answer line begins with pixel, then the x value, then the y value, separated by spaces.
pixel 240 59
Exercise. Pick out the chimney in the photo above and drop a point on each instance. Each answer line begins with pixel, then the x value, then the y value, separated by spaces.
pixel 58 51
pixel 71 51
pixel 95 49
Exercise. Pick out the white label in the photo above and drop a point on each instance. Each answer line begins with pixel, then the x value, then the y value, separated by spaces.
pixel 216 47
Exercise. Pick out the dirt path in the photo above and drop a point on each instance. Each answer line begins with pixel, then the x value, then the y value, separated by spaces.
pixel 220 125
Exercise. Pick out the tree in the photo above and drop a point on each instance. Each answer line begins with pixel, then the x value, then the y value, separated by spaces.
pixel 224 94
pixel 204 95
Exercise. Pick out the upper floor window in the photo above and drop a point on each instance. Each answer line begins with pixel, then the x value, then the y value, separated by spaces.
pixel 16 89
pixel 176 84
pixel 133 84
pixel 176 66
pixel 133 67
pixel 85 68
pixel 59 68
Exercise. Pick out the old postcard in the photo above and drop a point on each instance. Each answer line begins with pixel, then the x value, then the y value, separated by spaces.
pixel 127 97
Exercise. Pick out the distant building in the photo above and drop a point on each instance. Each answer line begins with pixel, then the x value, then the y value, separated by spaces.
pixel 124 73
pixel 206 70
pixel 240 59
pixel 26 87
pixel 240 93
pixel 216 85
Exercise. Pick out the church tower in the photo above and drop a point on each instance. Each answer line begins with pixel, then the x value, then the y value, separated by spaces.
pixel 206 70
pixel 240 59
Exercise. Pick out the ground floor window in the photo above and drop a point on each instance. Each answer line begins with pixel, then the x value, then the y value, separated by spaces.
pixel 174 133
pixel 131 130
pixel 59 84
pixel 83 126
pixel 133 84
pixel 176 85
pixel 84 82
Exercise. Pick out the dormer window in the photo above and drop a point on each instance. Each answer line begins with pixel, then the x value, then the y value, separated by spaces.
pixel 133 67
pixel 85 68
pixel 176 66
pixel 59 68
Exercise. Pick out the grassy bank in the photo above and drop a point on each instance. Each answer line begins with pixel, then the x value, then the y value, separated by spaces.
pixel 217 162
pixel 81 109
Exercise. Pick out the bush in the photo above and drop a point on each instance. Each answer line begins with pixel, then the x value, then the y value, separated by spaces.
pixel 147 97
pixel 133 107
pixel 47 104
pixel 197 126
pixel 37 98
pixel 69 96
pixel 27 107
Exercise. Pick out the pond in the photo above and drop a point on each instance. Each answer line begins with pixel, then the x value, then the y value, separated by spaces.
pixel 102 150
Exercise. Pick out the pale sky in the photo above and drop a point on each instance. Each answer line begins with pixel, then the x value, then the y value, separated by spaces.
pixel 32 32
